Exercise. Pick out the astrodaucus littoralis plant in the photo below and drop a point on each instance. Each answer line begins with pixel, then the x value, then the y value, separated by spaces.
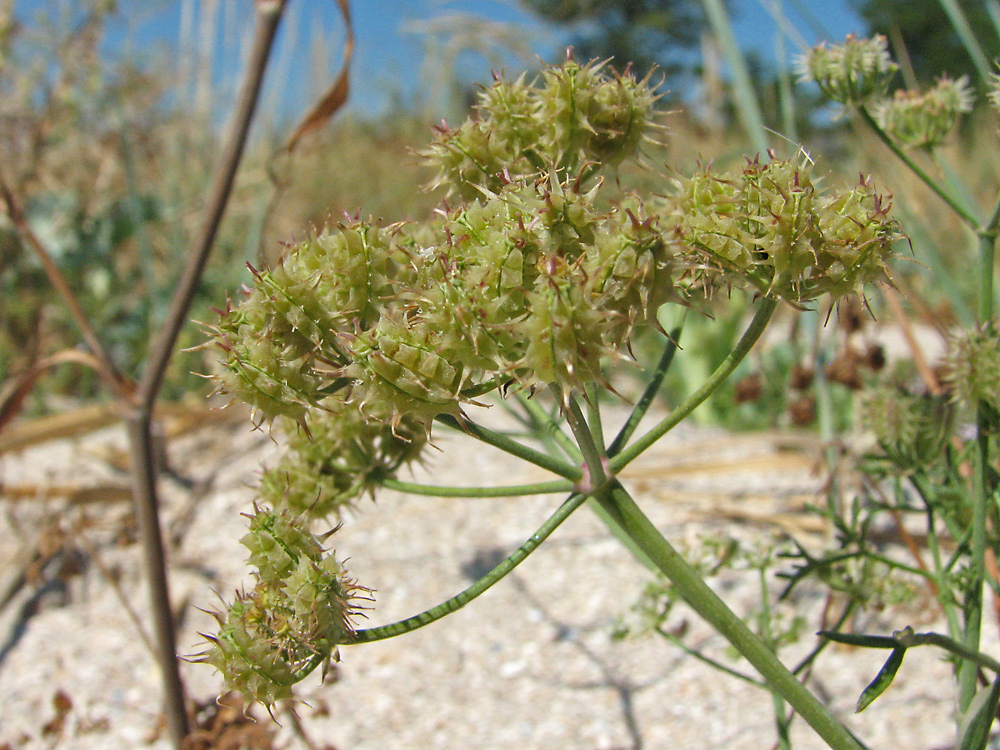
pixel 533 277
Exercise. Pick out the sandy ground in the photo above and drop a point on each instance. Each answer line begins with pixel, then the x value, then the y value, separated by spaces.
pixel 531 664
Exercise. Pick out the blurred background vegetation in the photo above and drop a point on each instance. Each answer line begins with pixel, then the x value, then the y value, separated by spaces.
pixel 111 151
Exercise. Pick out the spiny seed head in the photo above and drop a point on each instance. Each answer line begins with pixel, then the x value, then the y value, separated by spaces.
pixel 266 363
pixel 566 333
pixel 398 369
pixel 994 90
pixel 850 73
pixel 282 341
pixel 770 227
pixel 594 116
pixel 276 542
pixel 290 623
pixel 342 456
pixel 911 428
pixel 573 115
pixel 973 366
pixel 923 120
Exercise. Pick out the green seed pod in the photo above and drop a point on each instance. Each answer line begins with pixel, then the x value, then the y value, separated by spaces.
pixel 281 343
pixel 276 542
pixel 468 159
pixel 565 331
pixel 924 120
pixel 266 363
pixel 850 73
pixel 629 267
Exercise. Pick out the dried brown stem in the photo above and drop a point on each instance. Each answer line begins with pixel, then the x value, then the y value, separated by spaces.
pixel 268 17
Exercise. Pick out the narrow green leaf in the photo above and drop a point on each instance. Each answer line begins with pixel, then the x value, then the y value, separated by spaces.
pixel 882 680
pixel 975 727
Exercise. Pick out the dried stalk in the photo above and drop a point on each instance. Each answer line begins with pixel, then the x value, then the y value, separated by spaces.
pixel 139 419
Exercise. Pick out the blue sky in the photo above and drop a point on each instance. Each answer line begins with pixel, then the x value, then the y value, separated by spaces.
pixel 393 37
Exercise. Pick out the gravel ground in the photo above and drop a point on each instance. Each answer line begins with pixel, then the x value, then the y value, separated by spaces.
pixel 531 664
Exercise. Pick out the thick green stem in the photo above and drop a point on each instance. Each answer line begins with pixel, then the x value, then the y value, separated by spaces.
pixel 460 600
pixel 973 605
pixel 593 452
pixel 987 252
pixel 723 371
pixel 709 606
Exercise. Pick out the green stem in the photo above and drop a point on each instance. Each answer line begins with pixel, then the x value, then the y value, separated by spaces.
pixel 709 606
pixel 955 206
pixel 514 448
pixel 973 605
pixel 593 453
pixel 944 596
pixel 678 643
pixel 652 388
pixel 723 371
pixel 514 490
pixel 550 428
pixel 782 719
pixel 460 600
pixel 909 639
pixel 987 252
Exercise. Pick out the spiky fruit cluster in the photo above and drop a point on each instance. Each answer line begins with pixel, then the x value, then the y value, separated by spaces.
pixel 972 367
pixel 770 227
pixel 924 119
pixel 858 72
pixel 850 73
pixel 911 428
pixel 342 456
pixel 994 91
pixel 294 618
pixel 575 115
pixel 535 275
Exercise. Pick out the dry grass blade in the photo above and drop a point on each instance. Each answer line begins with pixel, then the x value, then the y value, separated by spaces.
pixel 336 95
